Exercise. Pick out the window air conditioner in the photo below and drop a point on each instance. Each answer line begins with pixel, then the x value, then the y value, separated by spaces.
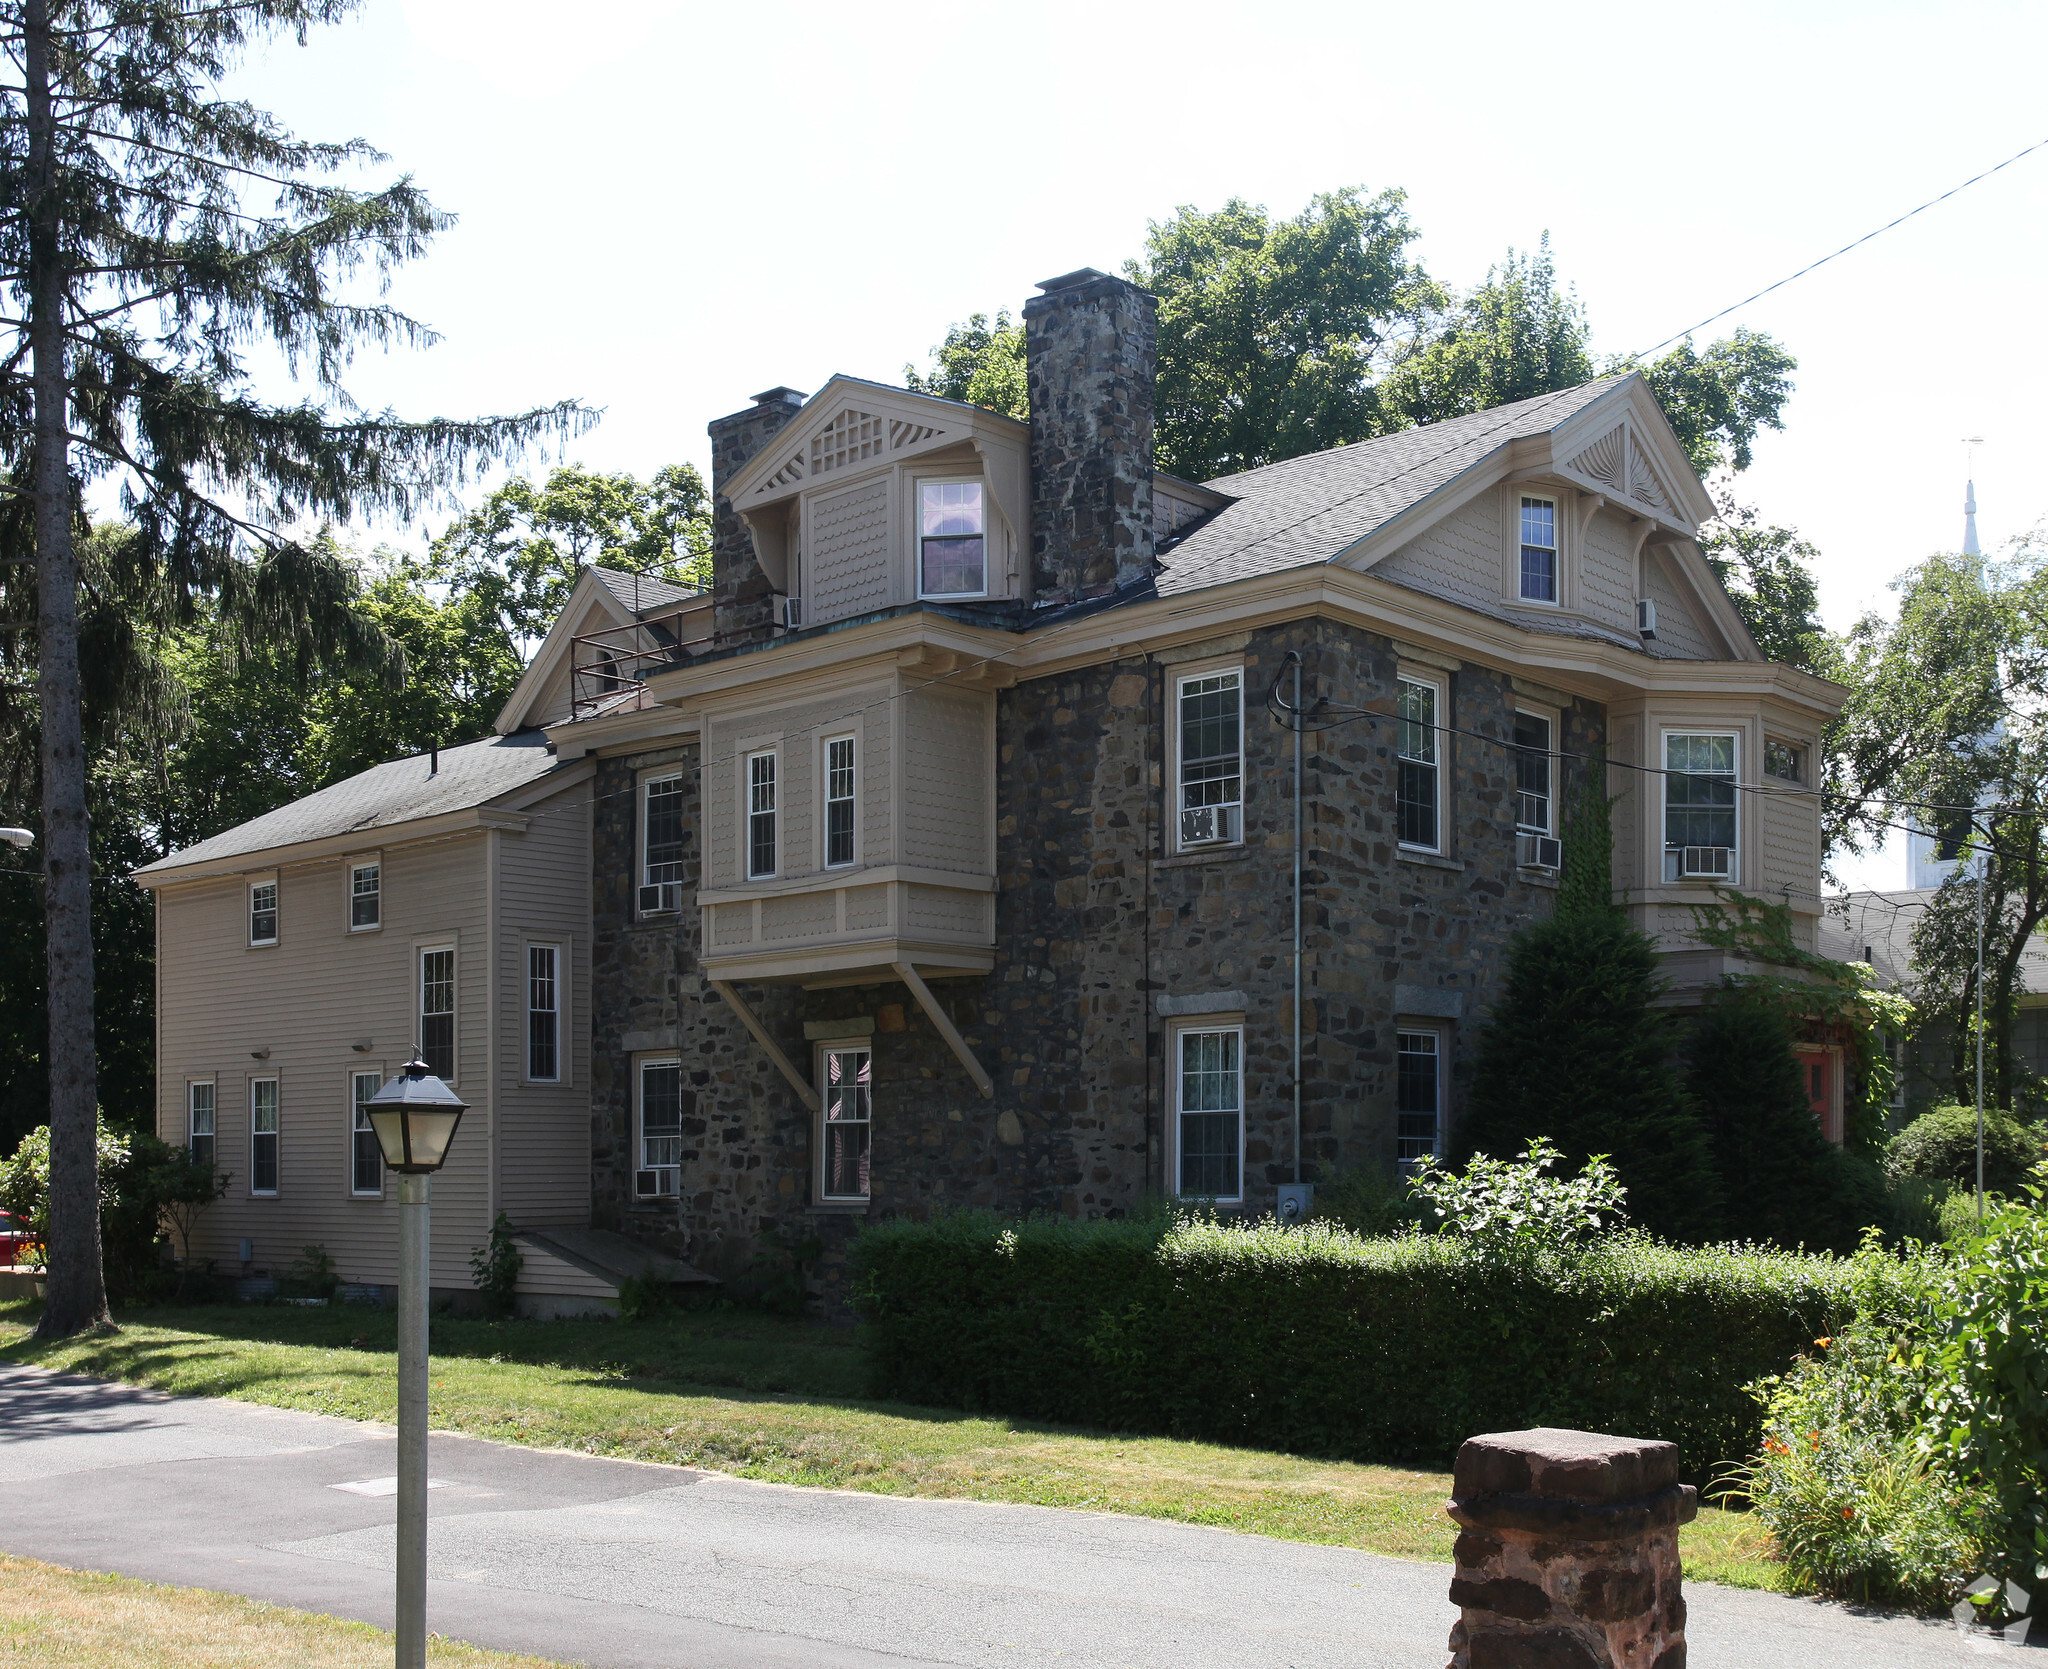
pixel 1714 862
pixel 793 613
pixel 1646 617
pixel 657 1184
pixel 661 896
pixel 1207 825
pixel 1538 851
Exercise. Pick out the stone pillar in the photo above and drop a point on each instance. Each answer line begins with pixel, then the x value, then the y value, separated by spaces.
pixel 1091 354
pixel 741 598
pixel 1568 1556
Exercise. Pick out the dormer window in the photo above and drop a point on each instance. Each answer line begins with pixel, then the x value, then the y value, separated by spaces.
pixel 952 543
pixel 1539 550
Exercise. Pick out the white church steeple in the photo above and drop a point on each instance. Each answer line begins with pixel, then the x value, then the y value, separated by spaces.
pixel 1970 521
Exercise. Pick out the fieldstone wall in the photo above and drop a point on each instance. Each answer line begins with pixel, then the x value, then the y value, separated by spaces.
pixel 741 599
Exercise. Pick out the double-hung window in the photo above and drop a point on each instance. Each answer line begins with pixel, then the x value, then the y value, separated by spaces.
pixel 1783 761
pixel 661 1129
pixel 1539 550
pixel 543 1013
pixel 661 844
pixel 760 815
pixel 1418 1095
pixel 1699 806
pixel 952 542
pixel 263 912
pixel 1418 792
pixel 262 1135
pixel 1209 1111
pixel 437 1012
pixel 365 895
pixel 199 1108
pixel 365 1157
pixel 1533 805
pixel 839 801
pixel 846 1139
pixel 1211 757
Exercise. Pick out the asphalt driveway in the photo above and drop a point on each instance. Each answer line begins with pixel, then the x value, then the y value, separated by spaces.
pixel 628 1566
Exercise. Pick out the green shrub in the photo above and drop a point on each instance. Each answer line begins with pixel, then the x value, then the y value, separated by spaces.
pixel 1942 1142
pixel 1511 1210
pixel 1318 1342
pixel 646 1297
pixel 1367 1200
pixel 311 1274
pixel 494 1267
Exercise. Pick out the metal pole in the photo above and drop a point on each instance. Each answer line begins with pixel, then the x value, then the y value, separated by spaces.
pixel 1983 873
pixel 1297 918
pixel 413 1194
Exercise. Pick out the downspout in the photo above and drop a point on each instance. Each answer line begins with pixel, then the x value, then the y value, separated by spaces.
pixel 1295 656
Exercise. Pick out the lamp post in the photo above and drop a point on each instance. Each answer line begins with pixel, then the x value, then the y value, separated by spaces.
pixel 414 1117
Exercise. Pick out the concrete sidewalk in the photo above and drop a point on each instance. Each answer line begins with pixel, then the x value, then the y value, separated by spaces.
pixel 626 1566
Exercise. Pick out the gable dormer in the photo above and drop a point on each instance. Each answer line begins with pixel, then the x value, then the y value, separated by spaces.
pixel 872 497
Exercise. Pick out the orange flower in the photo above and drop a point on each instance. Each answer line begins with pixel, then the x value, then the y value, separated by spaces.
pixel 1848 1512
pixel 1823 1343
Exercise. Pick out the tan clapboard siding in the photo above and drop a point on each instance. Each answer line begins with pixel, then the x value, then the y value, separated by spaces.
pixel 307 999
pixel 544 1130
pixel 543 1275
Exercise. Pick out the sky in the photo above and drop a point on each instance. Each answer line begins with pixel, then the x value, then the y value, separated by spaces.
pixel 664 209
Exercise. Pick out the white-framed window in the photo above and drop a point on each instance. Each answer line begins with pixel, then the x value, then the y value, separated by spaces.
pixel 263 912
pixel 1209 758
pixel 661 843
pixel 1895 1055
pixel 1700 824
pixel 263 1135
pixel 365 896
pixel 1418 1093
pixel 199 1111
pixel 1208 1102
pixel 846 1122
pixel 1418 794
pixel 1537 523
pixel 1784 760
pixel 1535 804
pixel 437 1010
pixel 952 539
pixel 660 1146
pixel 365 1157
pixel 840 801
pixel 543 1013
pixel 760 823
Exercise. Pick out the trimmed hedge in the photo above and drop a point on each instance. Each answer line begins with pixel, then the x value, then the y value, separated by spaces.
pixel 1315 1341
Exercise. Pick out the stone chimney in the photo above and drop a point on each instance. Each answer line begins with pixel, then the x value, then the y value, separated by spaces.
pixel 741 599
pixel 1091 345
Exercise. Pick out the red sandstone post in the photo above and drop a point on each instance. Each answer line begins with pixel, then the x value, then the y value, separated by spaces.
pixel 1568 1556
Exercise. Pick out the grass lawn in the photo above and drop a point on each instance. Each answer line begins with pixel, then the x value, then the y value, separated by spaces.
pixel 84 1620
pixel 764 1397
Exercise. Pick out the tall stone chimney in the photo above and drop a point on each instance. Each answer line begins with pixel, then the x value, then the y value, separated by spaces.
pixel 741 599
pixel 1091 348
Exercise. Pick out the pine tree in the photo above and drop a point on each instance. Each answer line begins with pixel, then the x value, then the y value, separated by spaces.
pixel 157 233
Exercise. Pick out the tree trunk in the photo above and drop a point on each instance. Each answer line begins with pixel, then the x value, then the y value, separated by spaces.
pixel 77 1291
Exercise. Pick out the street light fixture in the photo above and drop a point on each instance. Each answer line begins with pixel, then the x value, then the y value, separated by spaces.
pixel 414 1117
pixel 20 838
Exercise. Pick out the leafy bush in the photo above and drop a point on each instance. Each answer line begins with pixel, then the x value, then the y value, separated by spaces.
pixel 1942 1143
pixel 1367 1200
pixel 1316 1341
pixel 646 1297
pixel 1509 1209
pixel 312 1273
pixel 495 1266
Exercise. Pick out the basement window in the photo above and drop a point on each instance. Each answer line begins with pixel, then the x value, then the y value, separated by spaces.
pixel 845 1146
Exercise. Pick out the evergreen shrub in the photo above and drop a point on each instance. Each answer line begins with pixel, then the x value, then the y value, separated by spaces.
pixel 1942 1144
pixel 1316 1341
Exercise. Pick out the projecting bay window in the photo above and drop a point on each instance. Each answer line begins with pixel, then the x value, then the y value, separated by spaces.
pixel 437 1011
pixel 1418 1096
pixel 839 801
pixel 1419 791
pixel 1784 761
pixel 846 1120
pixel 1210 758
pixel 1539 550
pixel 952 539
pixel 365 896
pixel 263 1135
pixel 199 1109
pixel 760 828
pixel 661 845
pixel 365 1157
pixel 263 912
pixel 659 1173
pixel 1699 807
pixel 543 1014
pixel 1208 1090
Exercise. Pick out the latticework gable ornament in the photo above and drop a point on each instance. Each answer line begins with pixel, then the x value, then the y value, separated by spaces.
pixel 850 438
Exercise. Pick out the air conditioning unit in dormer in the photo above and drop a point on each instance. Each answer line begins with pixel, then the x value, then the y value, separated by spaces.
pixel 1707 863
pixel 1646 617
pixel 661 896
pixel 657 1184
pixel 1207 825
pixel 792 614
pixel 1538 851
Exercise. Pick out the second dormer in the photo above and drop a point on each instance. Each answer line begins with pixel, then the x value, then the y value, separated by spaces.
pixel 870 497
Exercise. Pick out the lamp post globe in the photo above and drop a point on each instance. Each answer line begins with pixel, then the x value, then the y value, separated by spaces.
pixel 415 1117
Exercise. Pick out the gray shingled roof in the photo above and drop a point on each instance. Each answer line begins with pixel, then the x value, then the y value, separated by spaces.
pixel 652 593
pixel 1306 510
pixel 1877 927
pixel 385 795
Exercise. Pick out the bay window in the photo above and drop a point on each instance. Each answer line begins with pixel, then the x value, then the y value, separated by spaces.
pixel 760 831
pixel 839 801
pixel 1699 806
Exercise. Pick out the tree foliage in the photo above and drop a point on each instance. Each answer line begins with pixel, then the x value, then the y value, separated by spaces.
pixel 1768 574
pixel 980 362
